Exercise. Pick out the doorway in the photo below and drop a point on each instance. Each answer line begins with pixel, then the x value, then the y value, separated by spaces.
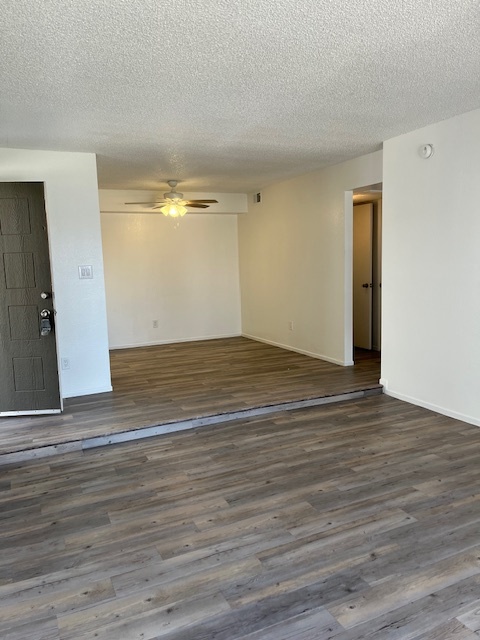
pixel 367 259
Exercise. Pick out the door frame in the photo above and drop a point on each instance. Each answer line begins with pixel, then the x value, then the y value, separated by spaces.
pixel 348 280
pixel 348 349
pixel 52 278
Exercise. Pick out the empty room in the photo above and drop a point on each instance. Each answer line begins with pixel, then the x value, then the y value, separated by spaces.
pixel 240 356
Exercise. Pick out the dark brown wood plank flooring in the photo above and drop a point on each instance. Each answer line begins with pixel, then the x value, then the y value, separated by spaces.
pixel 358 520
pixel 168 383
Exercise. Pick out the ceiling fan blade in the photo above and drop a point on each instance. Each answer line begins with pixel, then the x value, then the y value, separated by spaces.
pixel 197 205
pixel 204 201
pixel 156 202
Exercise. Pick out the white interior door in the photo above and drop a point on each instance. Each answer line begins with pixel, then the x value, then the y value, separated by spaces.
pixel 362 275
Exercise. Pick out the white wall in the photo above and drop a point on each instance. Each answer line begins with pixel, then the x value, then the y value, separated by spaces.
pixel 73 216
pixel 182 273
pixel 431 268
pixel 295 260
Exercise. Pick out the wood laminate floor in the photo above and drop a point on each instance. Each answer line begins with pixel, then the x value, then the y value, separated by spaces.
pixel 359 520
pixel 169 383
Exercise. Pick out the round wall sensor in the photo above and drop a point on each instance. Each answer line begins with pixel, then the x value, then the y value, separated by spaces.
pixel 426 151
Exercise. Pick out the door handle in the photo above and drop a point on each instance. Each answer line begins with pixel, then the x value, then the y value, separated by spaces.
pixel 45 324
pixel 366 285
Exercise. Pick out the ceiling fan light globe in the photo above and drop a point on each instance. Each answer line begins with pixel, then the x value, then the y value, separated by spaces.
pixel 173 210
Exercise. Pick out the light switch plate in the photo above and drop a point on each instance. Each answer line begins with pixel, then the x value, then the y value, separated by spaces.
pixel 85 271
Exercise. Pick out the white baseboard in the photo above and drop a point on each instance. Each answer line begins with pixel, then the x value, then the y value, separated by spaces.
pixel 302 351
pixel 33 412
pixel 159 342
pixel 432 407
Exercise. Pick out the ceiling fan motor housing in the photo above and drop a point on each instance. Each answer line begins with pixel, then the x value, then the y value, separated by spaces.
pixel 173 195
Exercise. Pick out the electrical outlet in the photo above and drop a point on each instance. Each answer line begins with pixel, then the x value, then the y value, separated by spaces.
pixel 65 363
pixel 290 325
pixel 155 324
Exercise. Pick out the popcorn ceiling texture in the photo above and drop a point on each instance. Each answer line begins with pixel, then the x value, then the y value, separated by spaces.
pixel 230 95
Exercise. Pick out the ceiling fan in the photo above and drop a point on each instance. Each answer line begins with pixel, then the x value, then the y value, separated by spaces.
pixel 173 203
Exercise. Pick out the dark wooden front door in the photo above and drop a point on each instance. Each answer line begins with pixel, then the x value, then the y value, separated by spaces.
pixel 28 358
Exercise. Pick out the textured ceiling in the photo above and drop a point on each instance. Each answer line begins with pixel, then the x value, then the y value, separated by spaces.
pixel 230 95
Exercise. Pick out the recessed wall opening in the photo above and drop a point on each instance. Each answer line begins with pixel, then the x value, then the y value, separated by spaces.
pixel 366 271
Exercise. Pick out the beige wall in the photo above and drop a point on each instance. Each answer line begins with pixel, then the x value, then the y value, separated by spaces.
pixel 184 274
pixel 295 260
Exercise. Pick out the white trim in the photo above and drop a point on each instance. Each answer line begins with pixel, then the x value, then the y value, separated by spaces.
pixel 159 342
pixel 302 351
pixel 432 407
pixel 33 412
pixel 89 392
pixel 56 319
pixel 348 277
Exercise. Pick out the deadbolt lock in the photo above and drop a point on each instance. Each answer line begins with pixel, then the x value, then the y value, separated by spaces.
pixel 45 324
